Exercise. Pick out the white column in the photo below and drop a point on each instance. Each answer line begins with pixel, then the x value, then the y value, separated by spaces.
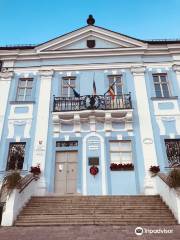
pixel 42 121
pixel 145 127
pixel 5 81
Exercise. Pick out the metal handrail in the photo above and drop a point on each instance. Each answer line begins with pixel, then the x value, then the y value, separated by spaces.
pixel 25 181
pixel 92 102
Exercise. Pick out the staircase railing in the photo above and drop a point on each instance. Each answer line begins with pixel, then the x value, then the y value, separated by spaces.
pixel 25 181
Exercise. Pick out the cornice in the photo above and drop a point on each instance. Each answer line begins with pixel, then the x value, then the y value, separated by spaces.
pixel 143 51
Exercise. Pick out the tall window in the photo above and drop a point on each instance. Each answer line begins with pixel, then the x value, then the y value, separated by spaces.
pixel 173 151
pixel 24 90
pixel 120 152
pixel 118 84
pixel 68 83
pixel 161 85
pixel 0 65
pixel 16 156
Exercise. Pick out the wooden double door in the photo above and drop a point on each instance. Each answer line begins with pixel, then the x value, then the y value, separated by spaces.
pixel 66 172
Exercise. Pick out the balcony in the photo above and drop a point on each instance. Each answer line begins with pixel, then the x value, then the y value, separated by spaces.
pixel 90 102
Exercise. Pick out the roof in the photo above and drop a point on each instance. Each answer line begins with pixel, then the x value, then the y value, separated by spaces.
pixel 32 46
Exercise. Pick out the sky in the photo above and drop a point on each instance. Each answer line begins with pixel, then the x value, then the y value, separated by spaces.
pixel 37 21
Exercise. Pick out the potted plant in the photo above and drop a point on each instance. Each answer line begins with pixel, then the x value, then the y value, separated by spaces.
pixel 35 170
pixel 154 170
pixel 12 179
pixel 174 178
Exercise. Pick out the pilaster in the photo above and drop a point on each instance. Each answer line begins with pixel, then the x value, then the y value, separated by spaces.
pixel 5 82
pixel 145 126
pixel 42 121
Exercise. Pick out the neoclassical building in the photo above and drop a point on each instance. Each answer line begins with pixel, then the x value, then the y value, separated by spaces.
pixel 94 108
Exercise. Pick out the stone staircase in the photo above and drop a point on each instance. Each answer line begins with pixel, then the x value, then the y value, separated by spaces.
pixel 98 210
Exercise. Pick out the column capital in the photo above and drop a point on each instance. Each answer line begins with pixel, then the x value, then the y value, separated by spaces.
pixel 6 75
pixel 46 73
pixel 176 68
pixel 138 70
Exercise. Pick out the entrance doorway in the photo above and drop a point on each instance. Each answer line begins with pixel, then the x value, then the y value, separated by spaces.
pixel 66 172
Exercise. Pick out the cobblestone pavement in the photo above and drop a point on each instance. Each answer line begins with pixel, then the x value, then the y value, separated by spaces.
pixel 88 233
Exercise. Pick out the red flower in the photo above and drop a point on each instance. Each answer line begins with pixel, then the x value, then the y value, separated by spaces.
pixel 121 166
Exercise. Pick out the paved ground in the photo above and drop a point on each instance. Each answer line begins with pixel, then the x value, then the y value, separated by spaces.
pixel 88 233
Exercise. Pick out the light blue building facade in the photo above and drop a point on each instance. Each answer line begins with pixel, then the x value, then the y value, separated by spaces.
pixel 94 108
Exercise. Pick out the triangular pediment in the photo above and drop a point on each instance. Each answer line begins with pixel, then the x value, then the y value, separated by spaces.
pixel 77 40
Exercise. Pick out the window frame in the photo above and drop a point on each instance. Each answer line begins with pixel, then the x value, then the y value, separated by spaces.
pixel 160 84
pixel 68 79
pixel 25 90
pixel 121 151
pixel 116 84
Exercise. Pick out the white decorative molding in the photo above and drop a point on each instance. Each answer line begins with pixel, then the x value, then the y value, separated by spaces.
pixel 19 122
pixel 136 70
pixel 108 122
pixel 119 137
pixel 46 73
pixel 77 125
pixel 147 141
pixel 5 76
pixel 168 118
pixel 176 68
pixel 10 129
pixel 66 137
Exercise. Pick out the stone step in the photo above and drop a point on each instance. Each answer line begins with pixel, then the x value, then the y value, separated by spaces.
pixel 76 211
pixel 39 204
pixel 100 210
pixel 100 221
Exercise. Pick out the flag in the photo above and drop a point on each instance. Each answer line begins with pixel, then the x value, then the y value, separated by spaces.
pixel 94 88
pixel 76 94
pixel 111 92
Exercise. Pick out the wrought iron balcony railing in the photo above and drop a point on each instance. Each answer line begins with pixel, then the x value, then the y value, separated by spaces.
pixel 90 102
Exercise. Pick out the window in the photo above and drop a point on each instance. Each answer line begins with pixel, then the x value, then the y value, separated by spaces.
pixel 67 144
pixel 24 90
pixel 118 84
pixel 161 85
pixel 16 156
pixel 68 83
pixel 120 152
pixel 0 66
pixel 173 151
